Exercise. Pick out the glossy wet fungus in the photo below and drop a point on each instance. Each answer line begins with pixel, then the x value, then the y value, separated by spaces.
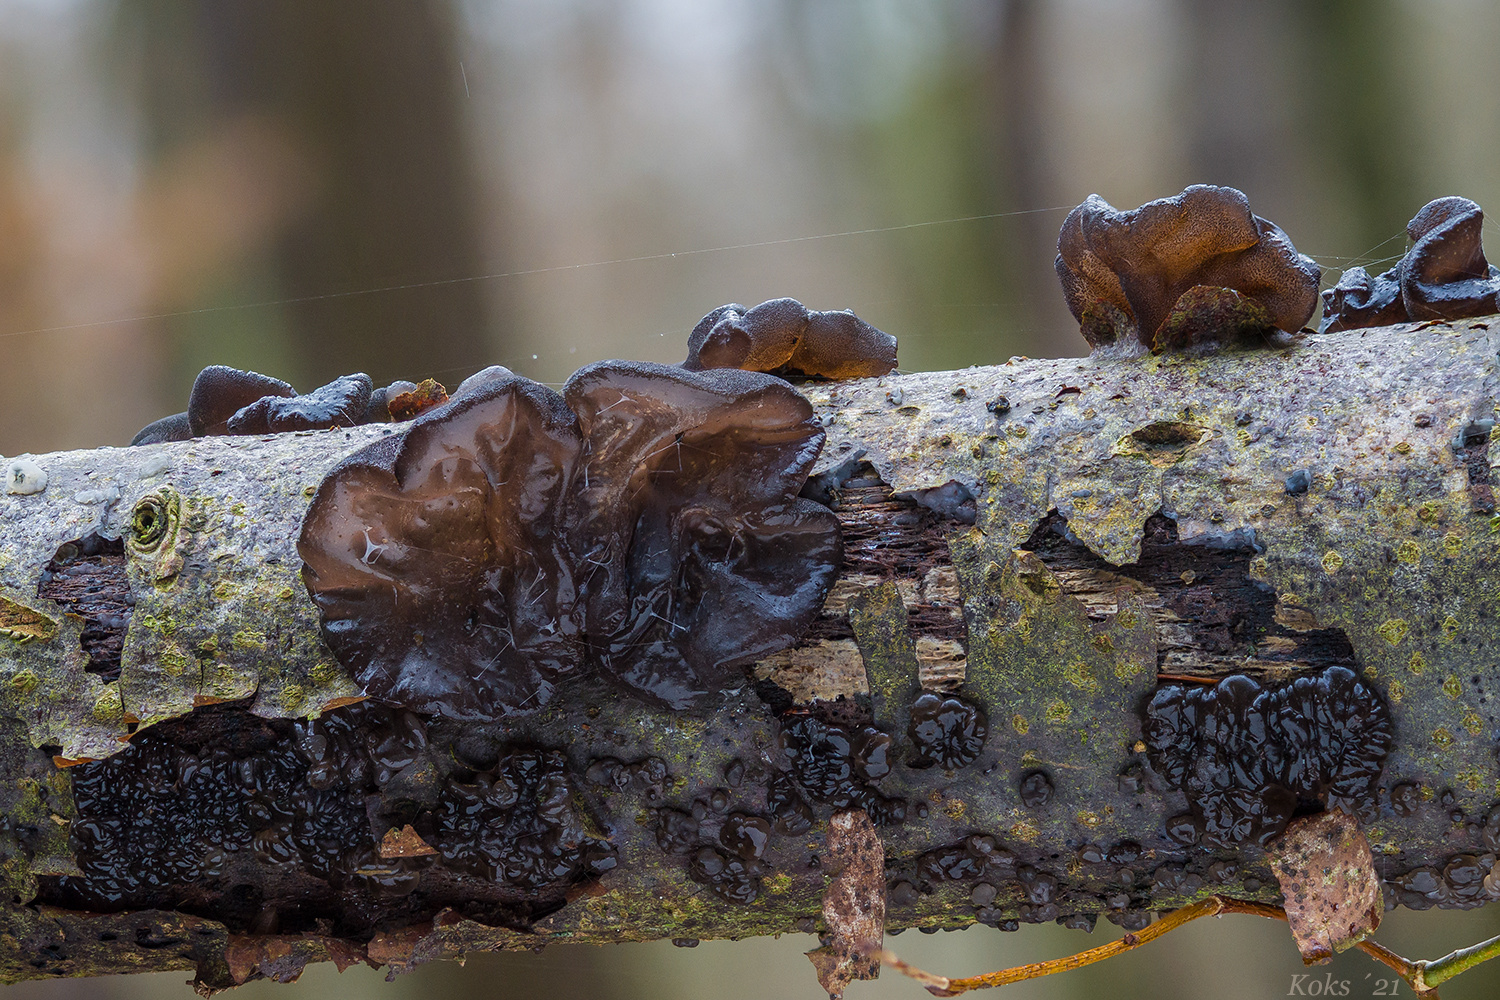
pixel 286 818
pixel 1248 758
pixel 1180 272
pixel 946 730
pixel 784 337
pixel 437 560
pixel 725 849
pixel 694 553
pixel 1443 276
pixel 467 566
pixel 226 400
pixel 841 767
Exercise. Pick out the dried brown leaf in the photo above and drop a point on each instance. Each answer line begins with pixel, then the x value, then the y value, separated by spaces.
pixel 404 843
pixel 1327 876
pixel 853 904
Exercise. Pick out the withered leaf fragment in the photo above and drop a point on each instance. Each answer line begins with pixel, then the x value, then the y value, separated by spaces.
pixel 784 337
pixel 1182 272
pixel 853 903
pixel 1327 876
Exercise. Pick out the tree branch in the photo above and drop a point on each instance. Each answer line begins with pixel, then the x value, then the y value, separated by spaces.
pixel 1045 540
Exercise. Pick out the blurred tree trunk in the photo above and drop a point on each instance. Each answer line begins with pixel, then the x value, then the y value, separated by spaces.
pixel 369 97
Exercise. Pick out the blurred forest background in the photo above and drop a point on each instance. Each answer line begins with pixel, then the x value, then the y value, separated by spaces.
pixel 424 187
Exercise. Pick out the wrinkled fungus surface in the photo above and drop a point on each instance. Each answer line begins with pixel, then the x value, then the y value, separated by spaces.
pixel 840 766
pixel 784 337
pixel 1443 276
pixel 437 561
pixel 654 527
pixel 1180 271
pixel 344 402
pixel 1249 758
pixel 946 730
pixel 256 820
pixel 693 552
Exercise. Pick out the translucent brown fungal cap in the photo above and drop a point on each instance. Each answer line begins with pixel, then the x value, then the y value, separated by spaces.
pixel 695 555
pixel 1443 276
pixel 435 559
pixel 784 337
pixel 1182 271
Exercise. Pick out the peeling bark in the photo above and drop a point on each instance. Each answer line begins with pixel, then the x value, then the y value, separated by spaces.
pixel 1042 541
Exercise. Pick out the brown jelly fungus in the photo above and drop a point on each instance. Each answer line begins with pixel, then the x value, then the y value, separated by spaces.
pixel 434 559
pixel 1036 789
pixel 341 403
pixel 1249 757
pixel 693 553
pixel 1182 271
pixel 784 337
pixel 745 836
pixel 829 761
pixel 1443 276
pixel 226 400
pixel 946 730
pixel 976 858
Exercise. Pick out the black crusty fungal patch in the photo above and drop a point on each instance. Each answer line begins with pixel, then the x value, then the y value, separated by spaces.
pixel 272 823
pixel 1250 757
pixel 840 767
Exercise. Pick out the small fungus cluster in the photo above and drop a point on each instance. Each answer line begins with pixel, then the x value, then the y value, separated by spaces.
pixel 226 400
pixel 1249 758
pixel 1443 276
pixel 784 337
pixel 946 730
pixel 645 521
pixel 1180 272
pixel 723 839
pixel 841 767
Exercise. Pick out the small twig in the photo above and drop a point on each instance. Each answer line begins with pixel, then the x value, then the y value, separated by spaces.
pixel 1423 977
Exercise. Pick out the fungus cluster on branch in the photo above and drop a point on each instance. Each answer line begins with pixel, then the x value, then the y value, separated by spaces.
pixel 1443 276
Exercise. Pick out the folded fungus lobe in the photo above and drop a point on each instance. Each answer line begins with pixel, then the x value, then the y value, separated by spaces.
pixel 784 337
pixel 694 553
pixel 648 522
pixel 1443 276
pixel 1182 271
pixel 436 560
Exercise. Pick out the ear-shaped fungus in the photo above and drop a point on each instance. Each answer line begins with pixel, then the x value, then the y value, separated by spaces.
pixel 341 403
pixel 695 555
pixel 1443 276
pixel 1181 271
pixel 219 392
pixel 436 561
pixel 784 337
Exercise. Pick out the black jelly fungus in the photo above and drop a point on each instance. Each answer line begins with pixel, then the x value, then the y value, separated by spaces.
pixel 946 730
pixel 1246 755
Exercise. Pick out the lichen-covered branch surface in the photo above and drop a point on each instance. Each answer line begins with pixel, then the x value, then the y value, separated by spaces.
pixel 1046 564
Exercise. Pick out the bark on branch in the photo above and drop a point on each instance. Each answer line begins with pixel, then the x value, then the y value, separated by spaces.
pixel 1044 540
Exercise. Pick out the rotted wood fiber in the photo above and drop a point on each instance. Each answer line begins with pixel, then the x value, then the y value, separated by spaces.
pixel 1031 548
